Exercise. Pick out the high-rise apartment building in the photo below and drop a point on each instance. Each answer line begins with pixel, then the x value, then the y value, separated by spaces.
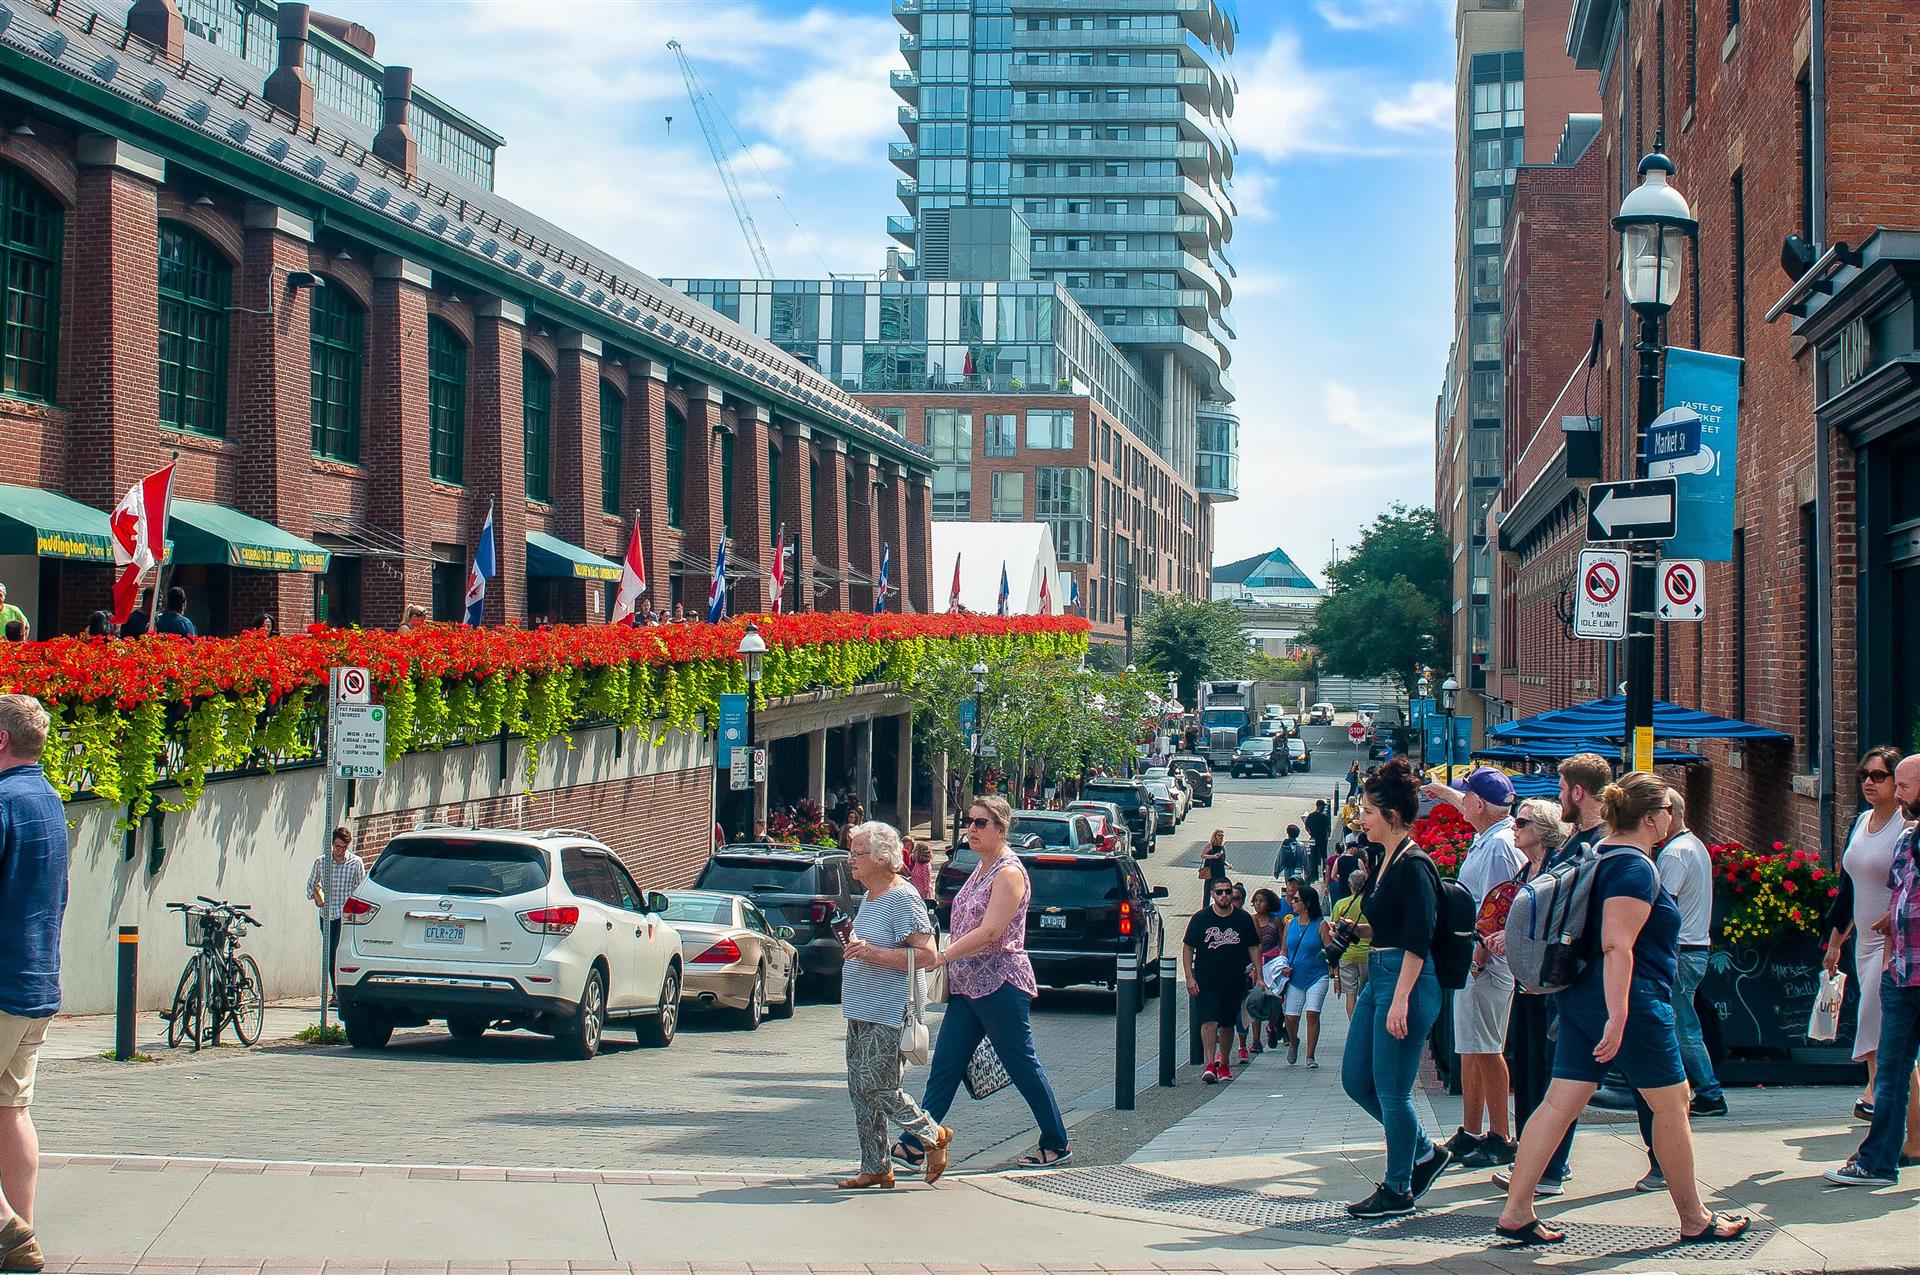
pixel 1102 126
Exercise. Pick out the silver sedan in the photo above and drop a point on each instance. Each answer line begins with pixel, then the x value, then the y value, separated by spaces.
pixel 736 958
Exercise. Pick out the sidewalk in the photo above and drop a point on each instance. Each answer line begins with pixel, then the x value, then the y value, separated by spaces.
pixel 91 1035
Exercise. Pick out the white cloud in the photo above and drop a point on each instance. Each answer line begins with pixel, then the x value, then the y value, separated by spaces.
pixel 1285 107
pixel 1250 192
pixel 1426 105
pixel 1373 15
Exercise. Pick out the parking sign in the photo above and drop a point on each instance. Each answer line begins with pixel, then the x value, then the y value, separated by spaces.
pixel 1600 595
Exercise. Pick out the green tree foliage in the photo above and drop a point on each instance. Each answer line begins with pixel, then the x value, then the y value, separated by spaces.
pixel 1386 611
pixel 1196 641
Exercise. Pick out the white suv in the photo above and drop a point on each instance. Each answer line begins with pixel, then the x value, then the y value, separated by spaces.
pixel 494 927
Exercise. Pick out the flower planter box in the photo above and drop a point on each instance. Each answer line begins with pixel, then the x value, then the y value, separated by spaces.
pixel 1755 1000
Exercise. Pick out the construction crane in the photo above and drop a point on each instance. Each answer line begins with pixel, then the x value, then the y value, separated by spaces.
pixel 703 107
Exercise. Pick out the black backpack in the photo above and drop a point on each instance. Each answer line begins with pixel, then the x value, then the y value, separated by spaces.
pixel 1453 928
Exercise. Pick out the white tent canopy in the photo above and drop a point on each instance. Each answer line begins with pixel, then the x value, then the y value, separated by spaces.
pixel 1026 550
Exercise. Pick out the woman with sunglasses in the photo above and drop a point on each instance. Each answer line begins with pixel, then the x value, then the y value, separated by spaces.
pixel 1863 893
pixel 990 989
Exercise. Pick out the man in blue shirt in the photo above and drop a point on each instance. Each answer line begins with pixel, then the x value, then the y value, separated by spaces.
pixel 174 619
pixel 33 899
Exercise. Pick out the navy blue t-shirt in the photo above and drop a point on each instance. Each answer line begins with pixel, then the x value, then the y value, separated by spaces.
pixel 33 892
pixel 1623 872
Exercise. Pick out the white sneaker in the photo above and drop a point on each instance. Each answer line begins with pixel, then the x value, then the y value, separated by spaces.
pixel 1503 1178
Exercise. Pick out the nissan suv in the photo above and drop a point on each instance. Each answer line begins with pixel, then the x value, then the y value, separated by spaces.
pixel 1135 803
pixel 493 927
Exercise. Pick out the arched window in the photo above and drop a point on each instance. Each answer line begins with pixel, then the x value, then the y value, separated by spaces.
pixel 30 226
pixel 613 410
pixel 676 463
pixel 446 403
pixel 195 283
pixel 726 483
pixel 337 348
pixel 536 415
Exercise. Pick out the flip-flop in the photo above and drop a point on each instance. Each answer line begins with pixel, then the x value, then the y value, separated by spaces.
pixel 1711 1232
pixel 1530 1235
pixel 1044 1159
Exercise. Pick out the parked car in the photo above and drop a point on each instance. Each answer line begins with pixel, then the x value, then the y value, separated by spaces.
pixel 1299 756
pixel 737 958
pixel 499 928
pixel 1321 714
pixel 1055 829
pixel 1084 911
pixel 1130 796
pixel 1166 803
pixel 1182 794
pixel 1109 825
pixel 1199 773
pixel 805 885
pixel 1256 757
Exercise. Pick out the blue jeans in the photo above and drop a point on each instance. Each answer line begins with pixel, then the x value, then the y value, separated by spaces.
pixel 1378 1071
pixel 1899 1045
pixel 1001 1017
pixel 1686 1021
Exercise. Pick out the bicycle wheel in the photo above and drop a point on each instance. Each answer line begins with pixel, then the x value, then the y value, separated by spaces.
pixel 247 1001
pixel 189 998
pixel 219 996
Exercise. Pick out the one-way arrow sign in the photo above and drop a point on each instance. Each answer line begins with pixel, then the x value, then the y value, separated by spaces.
pixel 1640 510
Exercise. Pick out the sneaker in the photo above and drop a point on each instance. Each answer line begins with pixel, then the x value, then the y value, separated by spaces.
pixel 1210 1076
pixel 1243 1055
pixel 1293 1052
pixel 1313 1064
pixel 1462 1143
pixel 1384 1202
pixel 1851 1174
pixel 1492 1152
pixel 1223 1071
pixel 1701 1107
pixel 1426 1171
pixel 1503 1179
pixel 1651 1183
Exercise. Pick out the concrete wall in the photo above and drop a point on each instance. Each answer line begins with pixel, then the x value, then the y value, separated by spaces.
pixel 253 841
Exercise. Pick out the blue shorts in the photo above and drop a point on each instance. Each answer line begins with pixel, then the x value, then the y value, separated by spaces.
pixel 1649 1054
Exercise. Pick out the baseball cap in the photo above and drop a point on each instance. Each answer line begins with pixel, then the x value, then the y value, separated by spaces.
pixel 1491 786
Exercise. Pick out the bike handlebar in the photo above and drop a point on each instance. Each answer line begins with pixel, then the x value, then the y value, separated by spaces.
pixel 238 911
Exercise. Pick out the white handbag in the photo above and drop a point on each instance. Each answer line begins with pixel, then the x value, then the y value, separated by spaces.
pixel 916 1042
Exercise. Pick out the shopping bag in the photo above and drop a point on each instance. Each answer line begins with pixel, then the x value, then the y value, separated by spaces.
pixel 1824 1022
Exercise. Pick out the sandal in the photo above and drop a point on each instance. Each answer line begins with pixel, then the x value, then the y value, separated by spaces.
pixel 1044 1159
pixel 1530 1235
pixel 1711 1232
pixel 906 1157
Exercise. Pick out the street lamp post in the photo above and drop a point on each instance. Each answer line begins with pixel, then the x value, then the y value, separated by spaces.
pixel 979 671
pixel 1448 689
pixel 752 651
pixel 1423 688
pixel 1654 223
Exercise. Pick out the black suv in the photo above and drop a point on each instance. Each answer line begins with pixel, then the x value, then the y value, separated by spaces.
pixel 805 886
pixel 1135 803
pixel 1199 772
pixel 1087 907
pixel 1258 756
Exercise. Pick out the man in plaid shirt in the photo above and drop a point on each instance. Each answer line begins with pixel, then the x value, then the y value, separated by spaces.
pixel 1890 1145
pixel 334 877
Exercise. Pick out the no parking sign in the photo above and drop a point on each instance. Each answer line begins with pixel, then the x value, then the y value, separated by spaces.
pixel 1680 591
pixel 1600 595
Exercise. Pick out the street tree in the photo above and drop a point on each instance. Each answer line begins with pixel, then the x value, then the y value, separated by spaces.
pixel 1196 641
pixel 1386 608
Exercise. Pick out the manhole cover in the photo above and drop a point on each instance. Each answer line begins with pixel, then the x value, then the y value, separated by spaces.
pixel 1128 1187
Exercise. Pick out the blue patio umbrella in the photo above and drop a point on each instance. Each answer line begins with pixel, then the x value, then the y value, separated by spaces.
pixel 1605 719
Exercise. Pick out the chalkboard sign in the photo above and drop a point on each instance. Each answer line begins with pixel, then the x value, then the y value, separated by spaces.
pixel 1763 996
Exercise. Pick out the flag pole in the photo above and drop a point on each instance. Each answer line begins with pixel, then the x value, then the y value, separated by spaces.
pixel 161 572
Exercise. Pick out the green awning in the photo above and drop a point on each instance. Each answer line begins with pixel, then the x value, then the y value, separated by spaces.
pixel 549 556
pixel 46 524
pixel 210 533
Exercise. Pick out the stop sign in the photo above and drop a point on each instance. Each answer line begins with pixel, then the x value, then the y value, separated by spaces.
pixel 1356 732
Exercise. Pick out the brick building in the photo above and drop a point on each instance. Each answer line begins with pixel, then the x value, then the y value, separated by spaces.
pixel 236 237
pixel 1784 118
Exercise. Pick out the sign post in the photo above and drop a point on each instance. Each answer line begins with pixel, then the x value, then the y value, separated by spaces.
pixel 1600 595
pixel 356 748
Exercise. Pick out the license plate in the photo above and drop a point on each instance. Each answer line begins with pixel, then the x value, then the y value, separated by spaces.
pixel 1053 922
pixel 447 934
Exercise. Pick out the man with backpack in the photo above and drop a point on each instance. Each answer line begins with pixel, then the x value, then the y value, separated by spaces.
pixel 1481 1007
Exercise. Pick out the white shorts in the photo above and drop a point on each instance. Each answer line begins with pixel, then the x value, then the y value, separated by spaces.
pixel 1480 1011
pixel 1307 1000
pixel 20 1041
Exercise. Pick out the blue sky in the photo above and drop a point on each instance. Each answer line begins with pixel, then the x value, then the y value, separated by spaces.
pixel 1344 181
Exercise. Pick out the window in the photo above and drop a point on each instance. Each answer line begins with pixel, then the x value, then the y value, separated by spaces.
pixel 1003 435
pixel 676 464
pixel 1009 496
pixel 950 437
pixel 1060 500
pixel 1740 264
pixel 1486 277
pixel 1660 71
pixel 726 482
pixel 1693 52
pixel 30 228
pixel 536 426
pixel 773 488
pixel 194 284
pixel 613 410
pixel 1050 429
pixel 1739 623
pixel 338 333
pixel 1809 636
pixel 446 402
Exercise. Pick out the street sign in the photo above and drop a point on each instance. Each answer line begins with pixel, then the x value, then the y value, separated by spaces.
pixel 733 728
pixel 1600 598
pixel 1680 589
pixel 1356 732
pixel 1675 446
pixel 352 686
pixel 748 767
pixel 360 741
pixel 1641 510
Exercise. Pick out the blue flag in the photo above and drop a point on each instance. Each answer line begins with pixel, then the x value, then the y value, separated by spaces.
pixel 886 570
pixel 486 565
pixel 717 592
pixel 1073 593
pixel 1001 609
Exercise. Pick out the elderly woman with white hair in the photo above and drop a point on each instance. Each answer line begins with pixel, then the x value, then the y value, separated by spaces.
pixel 891 921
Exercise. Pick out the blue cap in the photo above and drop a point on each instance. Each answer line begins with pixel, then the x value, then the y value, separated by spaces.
pixel 1490 785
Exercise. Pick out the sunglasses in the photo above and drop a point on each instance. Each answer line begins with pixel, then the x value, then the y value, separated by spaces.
pixel 1223 894
pixel 1875 776
pixel 980 823
pixel 1523 823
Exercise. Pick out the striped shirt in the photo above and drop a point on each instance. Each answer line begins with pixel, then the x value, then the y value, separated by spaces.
pixel 872 993
pixel 341 877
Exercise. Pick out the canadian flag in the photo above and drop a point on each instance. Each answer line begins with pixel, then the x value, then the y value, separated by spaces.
pixel 139 527
pixel 633 581
pixel 1046 592
pixel 953 595
pixel 780 570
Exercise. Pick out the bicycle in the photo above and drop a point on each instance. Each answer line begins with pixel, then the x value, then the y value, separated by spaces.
pixel 220 984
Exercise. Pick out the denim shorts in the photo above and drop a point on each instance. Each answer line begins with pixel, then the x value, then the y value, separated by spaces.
pixel 1649 1054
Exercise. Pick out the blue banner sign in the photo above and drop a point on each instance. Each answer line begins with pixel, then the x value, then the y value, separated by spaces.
pixel 1708 385
pixel 967 720
pixel 1436 754
pixel 733 728
pixel 1418 710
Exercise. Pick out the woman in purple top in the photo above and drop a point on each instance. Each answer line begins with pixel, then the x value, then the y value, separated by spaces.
pixel 990 988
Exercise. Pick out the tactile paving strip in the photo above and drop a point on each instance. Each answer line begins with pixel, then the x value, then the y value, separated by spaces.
pixel 1126 1187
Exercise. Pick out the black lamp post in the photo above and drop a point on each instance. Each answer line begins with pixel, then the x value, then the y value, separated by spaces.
pixel 1654 223
pixel 1422 689
pixel 979 671
pixel 1448 689
pixel 752 650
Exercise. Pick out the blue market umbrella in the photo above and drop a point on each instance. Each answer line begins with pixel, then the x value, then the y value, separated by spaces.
pixel 1605 719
